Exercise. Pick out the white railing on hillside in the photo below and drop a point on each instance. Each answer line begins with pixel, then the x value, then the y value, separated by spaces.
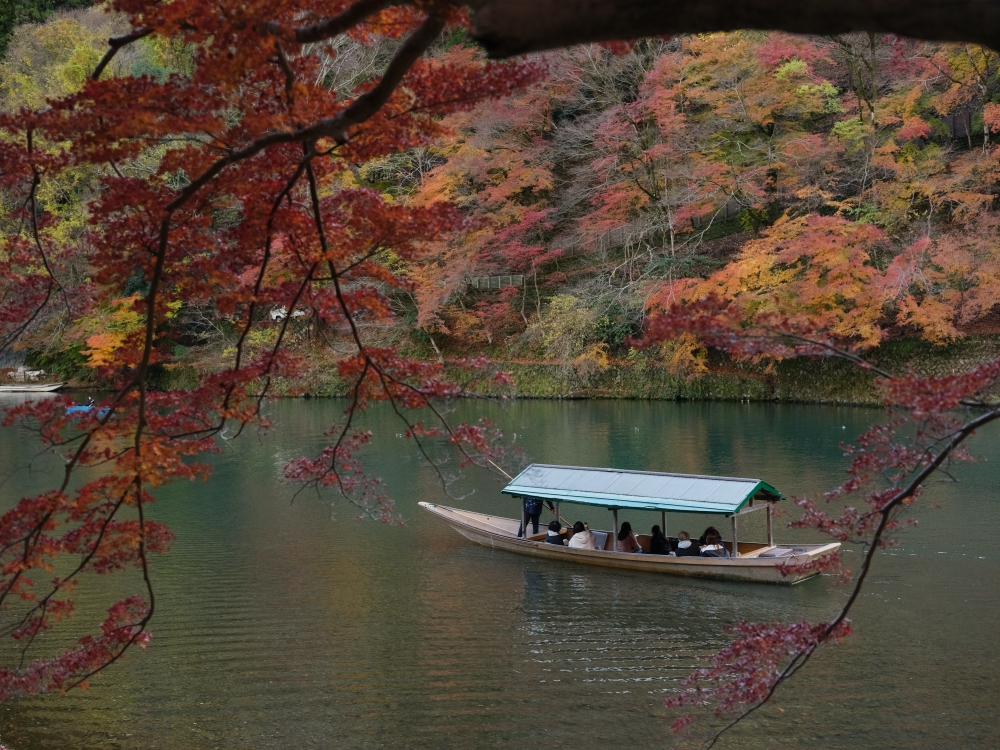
pixel 496 282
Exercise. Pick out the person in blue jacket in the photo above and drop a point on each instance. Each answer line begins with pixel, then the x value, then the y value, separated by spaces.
pixel 532 511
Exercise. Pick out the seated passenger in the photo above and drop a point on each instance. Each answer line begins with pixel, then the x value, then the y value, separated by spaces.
pixel 685 547
pixel 555 534
pixel 713 546
pixel 583 538
pixel 626 540
pixel 703 539
pixel 659 544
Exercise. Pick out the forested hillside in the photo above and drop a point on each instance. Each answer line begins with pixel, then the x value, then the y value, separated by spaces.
pixel 849 181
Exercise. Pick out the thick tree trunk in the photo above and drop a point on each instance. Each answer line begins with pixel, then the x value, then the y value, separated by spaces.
pixel 510 27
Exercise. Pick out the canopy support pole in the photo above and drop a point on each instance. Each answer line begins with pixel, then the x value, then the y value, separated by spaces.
pixel 736 549
pixel 558 517
pixel 524 519
pixel 663 523
pixel 614 539
pixel 770 529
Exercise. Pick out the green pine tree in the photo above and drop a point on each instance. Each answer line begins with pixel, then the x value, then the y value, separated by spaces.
pixel 15 12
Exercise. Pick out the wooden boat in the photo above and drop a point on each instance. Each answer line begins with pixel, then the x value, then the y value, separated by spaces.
pixel 615 489
pixel 31 387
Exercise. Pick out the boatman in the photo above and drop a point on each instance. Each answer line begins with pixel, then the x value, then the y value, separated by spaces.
pixel 532 512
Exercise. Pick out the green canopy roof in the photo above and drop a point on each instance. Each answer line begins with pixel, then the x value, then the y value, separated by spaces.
pixel 640 490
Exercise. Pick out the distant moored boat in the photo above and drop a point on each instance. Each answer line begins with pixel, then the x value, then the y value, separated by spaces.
pixel 31 387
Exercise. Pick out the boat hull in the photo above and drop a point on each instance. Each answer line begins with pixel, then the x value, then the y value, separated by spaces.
pixel 501 533
pixel 31 388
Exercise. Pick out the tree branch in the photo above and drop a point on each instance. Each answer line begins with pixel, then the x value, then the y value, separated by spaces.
pixel 115 43
pixel 335 127
pixel 511 27
pixel 331 27
pixel 369 103
pixel 885 512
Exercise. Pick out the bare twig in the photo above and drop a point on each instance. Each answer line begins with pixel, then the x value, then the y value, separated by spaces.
pixel 885 511
pixel 115 43
pixel 331 27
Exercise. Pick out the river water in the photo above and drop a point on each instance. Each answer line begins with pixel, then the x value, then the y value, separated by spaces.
pixel 287 624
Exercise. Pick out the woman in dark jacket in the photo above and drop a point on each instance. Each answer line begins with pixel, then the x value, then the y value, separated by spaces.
pixel 659 544
pixel 702 540
pixel 555 535
pixel 713 546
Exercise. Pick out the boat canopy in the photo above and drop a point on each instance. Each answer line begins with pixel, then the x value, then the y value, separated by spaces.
pixel 639 490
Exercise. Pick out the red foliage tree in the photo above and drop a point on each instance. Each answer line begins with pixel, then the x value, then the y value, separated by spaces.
pixel 498 169
pixel 253 129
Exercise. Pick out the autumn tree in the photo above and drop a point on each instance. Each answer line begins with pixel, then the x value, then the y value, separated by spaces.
pixel 256 132
pixel 813 270
pixel 972 74
pixel 498 169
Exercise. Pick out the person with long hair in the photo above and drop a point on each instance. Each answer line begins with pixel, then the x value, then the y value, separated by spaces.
pixel 659 544
pixel 626 540
pixel 713 546
pixel 703 539
pixel 583 538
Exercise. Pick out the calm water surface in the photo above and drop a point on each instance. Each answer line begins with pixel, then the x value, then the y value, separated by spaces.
pixel 294 625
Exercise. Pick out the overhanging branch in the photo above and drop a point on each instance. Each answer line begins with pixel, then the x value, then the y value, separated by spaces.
pixel 330 27
pixel 511 27
pixel 115 43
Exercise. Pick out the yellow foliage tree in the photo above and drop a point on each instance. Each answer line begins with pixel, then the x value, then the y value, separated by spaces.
pixel 812 269
pixel 118 322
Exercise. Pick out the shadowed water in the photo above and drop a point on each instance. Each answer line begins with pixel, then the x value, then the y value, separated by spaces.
pixel 294 625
